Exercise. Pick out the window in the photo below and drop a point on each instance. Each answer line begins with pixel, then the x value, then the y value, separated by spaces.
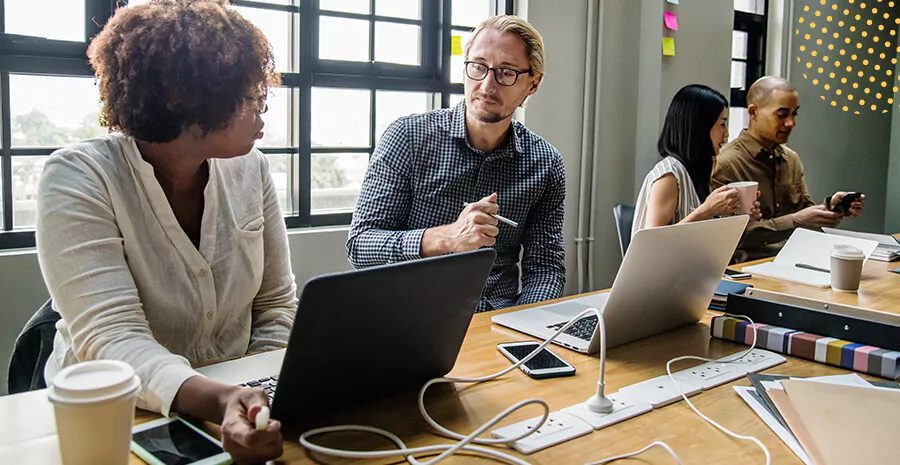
pixel 349 69
pixel 748 58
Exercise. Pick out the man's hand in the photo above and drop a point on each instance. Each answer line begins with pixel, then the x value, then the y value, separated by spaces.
pixel 240 438
pixel 816 216
pixel 856 207
pixel 475 228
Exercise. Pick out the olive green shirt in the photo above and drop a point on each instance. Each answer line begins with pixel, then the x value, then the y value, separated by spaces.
pixel 781 186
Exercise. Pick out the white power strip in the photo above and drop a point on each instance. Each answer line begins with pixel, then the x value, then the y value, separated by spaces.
pixel 661 391
pixel 624 407
pixel 559 427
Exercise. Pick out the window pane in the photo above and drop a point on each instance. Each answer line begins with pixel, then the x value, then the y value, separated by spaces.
pixel 276 25
pixel 455 99
pixel 397 43
pixel 280 167
pixel 457 67
pixel 26 173
pixel 738 75
pixel 470 12
pixel 51 111
pixel 278 131
pixel 739 44
pixel 336 179
pixel 340 117
pixel 349 6
pixel 738 119
pixel 51 19
pixel 398 8
pixel 750 6
pixel 391 105
pixel 343 39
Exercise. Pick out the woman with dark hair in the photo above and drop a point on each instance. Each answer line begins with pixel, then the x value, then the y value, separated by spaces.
pixel 162 244
pixel 677 189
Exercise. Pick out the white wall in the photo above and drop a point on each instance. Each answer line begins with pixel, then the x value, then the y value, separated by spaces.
pixel 313 252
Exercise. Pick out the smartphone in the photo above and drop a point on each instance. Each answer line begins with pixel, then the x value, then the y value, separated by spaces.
pixel 844 205
pixel 735 274
pixel 545 364
pixel 174 441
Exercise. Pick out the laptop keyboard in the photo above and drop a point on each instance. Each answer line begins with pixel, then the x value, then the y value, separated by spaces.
pixel 582 329
pixel 266 384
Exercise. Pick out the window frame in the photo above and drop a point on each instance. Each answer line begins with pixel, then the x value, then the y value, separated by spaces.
pixel 756 27
pixel 32 55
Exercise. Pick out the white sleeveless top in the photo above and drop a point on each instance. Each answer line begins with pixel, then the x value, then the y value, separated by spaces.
pixel 688 200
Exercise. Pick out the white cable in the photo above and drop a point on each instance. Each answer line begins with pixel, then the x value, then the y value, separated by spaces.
pixel 464 442
pixel 638 452
pixel 691 404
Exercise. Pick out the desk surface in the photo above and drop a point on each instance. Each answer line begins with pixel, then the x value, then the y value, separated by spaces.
pixel 28 433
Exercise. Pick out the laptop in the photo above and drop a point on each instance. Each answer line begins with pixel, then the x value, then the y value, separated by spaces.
pixel 365 334
pixel 666 281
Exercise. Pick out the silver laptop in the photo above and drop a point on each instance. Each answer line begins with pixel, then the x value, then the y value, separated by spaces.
pixel 666 281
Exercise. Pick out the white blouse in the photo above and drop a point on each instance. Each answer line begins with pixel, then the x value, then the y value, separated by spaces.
pixel 131 286
pixel 688 200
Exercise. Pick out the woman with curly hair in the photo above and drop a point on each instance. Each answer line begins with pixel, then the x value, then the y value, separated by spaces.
pixel 162 243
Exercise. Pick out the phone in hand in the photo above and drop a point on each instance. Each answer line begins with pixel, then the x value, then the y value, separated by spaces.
pixel 844 205
pixel 545 364
pixel 174 441
pixel 735 274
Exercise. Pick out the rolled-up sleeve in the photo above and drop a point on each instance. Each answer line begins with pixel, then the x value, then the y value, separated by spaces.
pixel 377 232
pixel 82 258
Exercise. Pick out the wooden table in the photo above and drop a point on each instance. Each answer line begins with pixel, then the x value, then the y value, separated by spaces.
pixel 27 432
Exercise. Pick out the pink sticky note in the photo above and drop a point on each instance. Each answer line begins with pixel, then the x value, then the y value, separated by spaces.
pixel 671 20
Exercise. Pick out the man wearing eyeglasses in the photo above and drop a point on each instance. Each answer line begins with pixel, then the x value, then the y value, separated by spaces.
pixel 438 181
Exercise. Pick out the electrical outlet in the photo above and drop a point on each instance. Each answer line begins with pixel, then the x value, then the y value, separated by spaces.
pixel 712 374
pixel 560 427
pixel 624 407
pixel 756 360
pixel 660 391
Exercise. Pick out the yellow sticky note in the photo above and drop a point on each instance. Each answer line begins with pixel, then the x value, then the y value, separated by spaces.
pixel 455 46
pixel 668 45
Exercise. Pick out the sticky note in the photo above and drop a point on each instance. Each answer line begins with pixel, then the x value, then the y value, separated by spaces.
pixel 674 2
pixel 455 46
pixel 671 20
pixel 668 45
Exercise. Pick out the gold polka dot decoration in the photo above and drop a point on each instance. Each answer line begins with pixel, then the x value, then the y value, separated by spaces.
pixel 849 47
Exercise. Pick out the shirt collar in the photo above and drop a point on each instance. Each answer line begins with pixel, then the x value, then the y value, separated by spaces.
pixel 458 131
pixel 756 149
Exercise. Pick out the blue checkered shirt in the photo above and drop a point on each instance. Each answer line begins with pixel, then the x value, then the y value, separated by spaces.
pixel 422 172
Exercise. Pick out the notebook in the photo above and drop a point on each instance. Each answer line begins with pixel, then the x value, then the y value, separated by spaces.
pixel 811 248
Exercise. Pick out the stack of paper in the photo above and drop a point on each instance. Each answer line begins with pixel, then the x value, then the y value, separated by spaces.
pixel 888 248
pixel 829 420
pixel 720 298
pixel 812 249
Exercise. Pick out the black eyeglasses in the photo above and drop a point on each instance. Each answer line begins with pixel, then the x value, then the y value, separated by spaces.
pixel 504 76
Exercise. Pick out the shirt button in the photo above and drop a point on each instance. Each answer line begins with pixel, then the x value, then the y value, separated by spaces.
pixel 209 315
pixel 204 272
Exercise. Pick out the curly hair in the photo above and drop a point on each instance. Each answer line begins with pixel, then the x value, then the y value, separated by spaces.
pixel 171 64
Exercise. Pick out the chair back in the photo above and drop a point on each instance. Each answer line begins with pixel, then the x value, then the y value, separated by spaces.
pixel 624 215
pixel 32 349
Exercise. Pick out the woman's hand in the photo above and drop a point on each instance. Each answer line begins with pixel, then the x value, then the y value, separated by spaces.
pixel 724 201
pixel 240 438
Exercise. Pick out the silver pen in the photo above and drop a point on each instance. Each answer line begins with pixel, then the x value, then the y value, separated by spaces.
pixel 499 218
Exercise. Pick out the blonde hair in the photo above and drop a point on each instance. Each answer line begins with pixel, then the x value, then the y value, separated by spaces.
pixel 534 45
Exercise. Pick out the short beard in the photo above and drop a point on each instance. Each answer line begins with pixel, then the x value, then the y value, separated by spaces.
pixel 490 118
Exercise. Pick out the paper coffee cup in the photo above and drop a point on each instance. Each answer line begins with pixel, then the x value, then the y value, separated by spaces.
pixel 846 267
pixel 747 190
pixel 94 406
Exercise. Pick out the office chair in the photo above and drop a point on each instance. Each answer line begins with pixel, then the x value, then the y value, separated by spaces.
pixel 624 215
pixel 32 349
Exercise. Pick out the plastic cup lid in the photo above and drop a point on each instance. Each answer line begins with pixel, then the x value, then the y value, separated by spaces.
pixel 93 381
pixel 743 184
pixel 847 252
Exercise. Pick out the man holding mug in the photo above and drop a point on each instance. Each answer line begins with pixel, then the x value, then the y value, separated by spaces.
pixel 759 155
